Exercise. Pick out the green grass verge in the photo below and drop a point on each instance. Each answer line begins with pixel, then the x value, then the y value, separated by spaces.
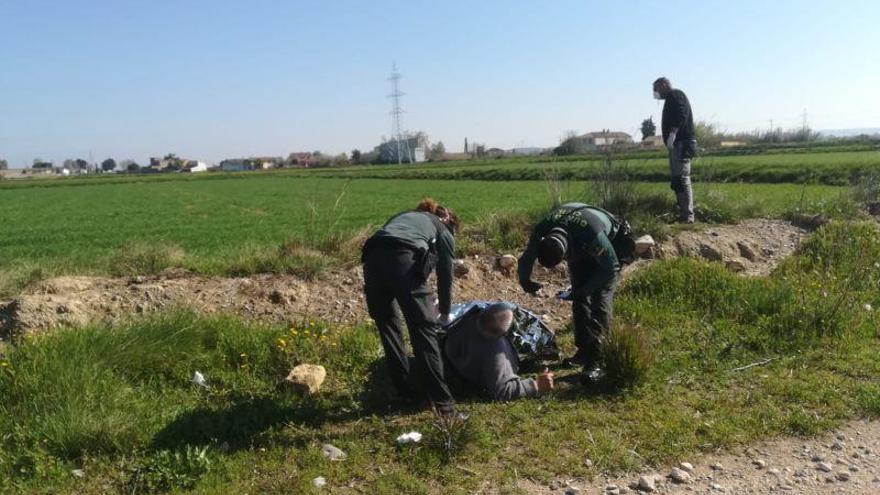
pixel 118 403
pixel 301 225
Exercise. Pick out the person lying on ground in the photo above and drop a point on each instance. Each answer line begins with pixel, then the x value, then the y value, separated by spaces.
pixel 478 350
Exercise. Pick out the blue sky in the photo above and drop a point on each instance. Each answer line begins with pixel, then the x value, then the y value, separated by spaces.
pixel 215 79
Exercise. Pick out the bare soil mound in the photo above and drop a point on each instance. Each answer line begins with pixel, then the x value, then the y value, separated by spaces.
pixel 753 247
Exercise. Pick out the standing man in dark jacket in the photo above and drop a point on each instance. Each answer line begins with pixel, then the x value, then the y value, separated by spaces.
pixel 590 239
pixel 398 259
pixel 681 141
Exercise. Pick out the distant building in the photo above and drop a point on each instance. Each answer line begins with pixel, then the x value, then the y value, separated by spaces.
pixel 495 152
pixel 653 142
pixel 732 144
pixel 194 166
pixel 603 139
pixel 236 165
pixel 267 162
pixel 301 159
pixel 416 144
pixel 528 151
pixel 169 163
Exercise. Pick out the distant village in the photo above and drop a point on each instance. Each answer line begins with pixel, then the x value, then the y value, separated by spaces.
pixel 412 148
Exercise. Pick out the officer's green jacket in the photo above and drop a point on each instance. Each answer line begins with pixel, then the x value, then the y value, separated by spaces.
pixel 589 231
pixel 418 230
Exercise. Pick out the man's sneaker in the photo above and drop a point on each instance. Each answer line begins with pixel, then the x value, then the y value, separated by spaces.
pixel 594 374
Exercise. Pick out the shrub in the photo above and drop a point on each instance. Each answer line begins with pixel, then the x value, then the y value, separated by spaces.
pixel 627 356
pixel 145 259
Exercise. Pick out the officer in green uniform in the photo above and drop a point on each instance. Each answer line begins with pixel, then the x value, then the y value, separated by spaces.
pixel 590 239
pixel 398 259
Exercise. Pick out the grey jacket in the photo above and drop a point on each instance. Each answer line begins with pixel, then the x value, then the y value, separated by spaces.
pixel 490 364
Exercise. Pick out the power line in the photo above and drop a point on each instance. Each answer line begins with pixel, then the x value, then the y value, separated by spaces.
pixel 396 111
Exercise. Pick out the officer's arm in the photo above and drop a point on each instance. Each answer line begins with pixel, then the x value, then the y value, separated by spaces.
pixel 603 253
pixel 445 254
pixel 527 260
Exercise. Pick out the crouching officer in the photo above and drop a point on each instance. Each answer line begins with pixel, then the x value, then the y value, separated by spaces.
pixel 594 242
pixel 398 259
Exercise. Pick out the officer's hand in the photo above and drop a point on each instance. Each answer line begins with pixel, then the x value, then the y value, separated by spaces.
pixel 531 287
pixel 544 381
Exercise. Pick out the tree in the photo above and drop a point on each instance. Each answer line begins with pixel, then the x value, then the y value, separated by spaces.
pixel 648 128
pixel 132 167
pixel 40 163
pixel 570 144
pixel 355 156
pixel 3 165
pixel 108 165
pixel 437 151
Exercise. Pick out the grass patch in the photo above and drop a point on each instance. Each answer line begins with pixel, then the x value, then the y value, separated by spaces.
pixel 291 224
pixel 119 404
pixel 145 259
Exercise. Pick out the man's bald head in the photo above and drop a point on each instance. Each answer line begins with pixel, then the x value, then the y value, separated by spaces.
pixel 496 319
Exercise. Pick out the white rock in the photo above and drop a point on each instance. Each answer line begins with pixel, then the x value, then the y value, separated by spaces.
pixel 319 481
pixel 588 462
pixel 842 476
pixel 760 463
pixel 644 244
pixel 686 466
pixel 507 261
pixel 307 378
pixel 716 487
pixel 647 484
pixel 460 268
pixel 679 475
pixel 411 437
pixel 868 307
pixel 735 265
pixel 773 471
pixel 333 453
pixel 717 467
pixel 824 467
pixel 837 445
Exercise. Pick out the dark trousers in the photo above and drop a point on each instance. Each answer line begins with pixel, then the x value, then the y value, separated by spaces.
pixel 391 274
pixel 591 313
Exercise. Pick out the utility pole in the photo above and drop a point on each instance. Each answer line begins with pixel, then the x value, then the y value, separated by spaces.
pixel 396 111
pixel 804 123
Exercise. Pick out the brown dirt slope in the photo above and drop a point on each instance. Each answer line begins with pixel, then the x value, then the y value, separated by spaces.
pixel 753 247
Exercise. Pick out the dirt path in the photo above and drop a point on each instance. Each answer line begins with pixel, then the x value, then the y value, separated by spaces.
pixel 845 462
pixel 753 247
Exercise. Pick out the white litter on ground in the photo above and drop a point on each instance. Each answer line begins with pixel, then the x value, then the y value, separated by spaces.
pixel 199 379
pixel 411 437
